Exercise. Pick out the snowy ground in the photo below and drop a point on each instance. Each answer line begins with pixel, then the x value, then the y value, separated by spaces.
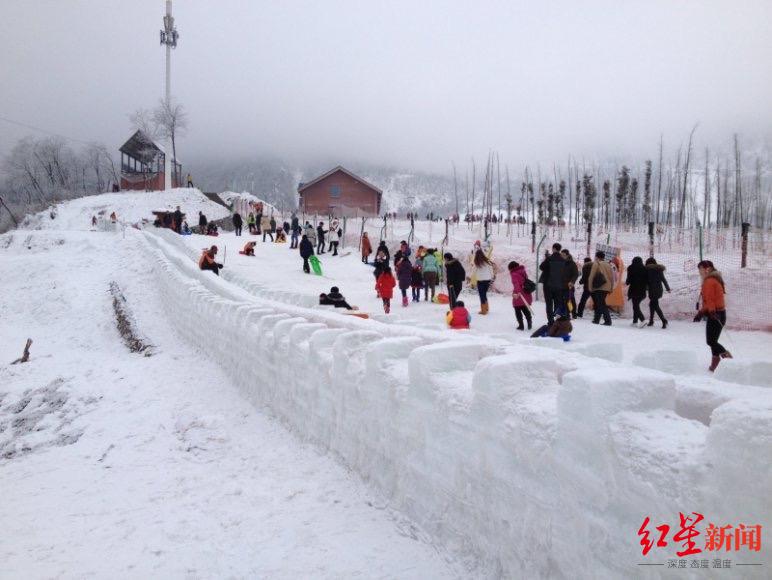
pixel 468 454
pixel 113 464
pixel 278 269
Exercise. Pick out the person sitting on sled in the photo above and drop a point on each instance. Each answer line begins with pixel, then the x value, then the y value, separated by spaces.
pixel 458 317
pixel 281 237
pixel 561 328
pixel 207 260
pixel 249 249
pixel 334 298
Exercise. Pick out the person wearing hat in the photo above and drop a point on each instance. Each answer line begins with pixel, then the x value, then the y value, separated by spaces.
pixel 334 298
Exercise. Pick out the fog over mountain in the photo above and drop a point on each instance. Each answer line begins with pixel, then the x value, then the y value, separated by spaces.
pixel 395 84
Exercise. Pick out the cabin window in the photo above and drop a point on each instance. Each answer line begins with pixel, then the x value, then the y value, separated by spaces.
pixel 335 191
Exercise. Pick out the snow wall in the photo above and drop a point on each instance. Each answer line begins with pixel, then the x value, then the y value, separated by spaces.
pixel 538 463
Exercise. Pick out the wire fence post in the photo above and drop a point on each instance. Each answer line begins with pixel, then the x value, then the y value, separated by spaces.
pixel 651 240
pixel 699 232
pixel 589 238
pixel 744 247
pixel 538 248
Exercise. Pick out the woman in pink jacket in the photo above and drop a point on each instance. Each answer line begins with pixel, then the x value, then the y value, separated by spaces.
pixel 521 299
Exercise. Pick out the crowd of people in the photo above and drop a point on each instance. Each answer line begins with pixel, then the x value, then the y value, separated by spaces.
pixel 423 274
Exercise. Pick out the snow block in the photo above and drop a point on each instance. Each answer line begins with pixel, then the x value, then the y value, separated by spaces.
pixel 746 372
pixel 676 362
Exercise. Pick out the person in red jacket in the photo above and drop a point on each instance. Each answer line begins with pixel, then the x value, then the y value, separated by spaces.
pixel 458 317
pixel 714 309
pixel 207 260
pixel 384 285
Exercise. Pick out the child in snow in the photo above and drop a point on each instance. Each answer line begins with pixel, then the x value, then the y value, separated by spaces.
pixel 417 282
pixel 458 317
pixel 207 260
pixel 561 328
pixel 380 264
pixel 521 300
pixel 335 298
pixel 249 249
pixel 405 277
pixel 384 286
pixel 281 237
pixel 306 249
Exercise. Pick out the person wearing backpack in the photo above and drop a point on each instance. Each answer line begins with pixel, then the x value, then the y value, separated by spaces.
pixel 522 294
pixel 431 273
pixel 601 281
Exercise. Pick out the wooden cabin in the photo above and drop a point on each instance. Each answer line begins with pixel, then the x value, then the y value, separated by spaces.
pixel 340 193
pixel 142 165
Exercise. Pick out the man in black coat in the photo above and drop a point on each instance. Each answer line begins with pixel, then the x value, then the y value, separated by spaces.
pixel 572 275
pixel 202 223
pixel 237 223
pixel 554 277
pixel 178 220
pixel 454 276
pixel 584 281
pixel 306 251
pixel 320 231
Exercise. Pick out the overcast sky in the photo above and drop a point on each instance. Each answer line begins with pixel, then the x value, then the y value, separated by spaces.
pixel 416 83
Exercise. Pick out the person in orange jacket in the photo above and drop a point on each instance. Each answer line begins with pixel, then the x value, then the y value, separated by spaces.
pixel 459 317
pixel 207 260
pixel 714 309
pixel 384 285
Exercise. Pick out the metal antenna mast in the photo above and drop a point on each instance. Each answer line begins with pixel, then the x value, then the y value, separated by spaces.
pixel 169 37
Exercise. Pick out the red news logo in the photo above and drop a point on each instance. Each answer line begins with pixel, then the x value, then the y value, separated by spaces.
pixel 726 538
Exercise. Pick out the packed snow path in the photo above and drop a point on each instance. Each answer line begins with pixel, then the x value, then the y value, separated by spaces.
pixel 113 464
pixel 542 463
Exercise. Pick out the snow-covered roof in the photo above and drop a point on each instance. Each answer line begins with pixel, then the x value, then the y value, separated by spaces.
pixel 143 147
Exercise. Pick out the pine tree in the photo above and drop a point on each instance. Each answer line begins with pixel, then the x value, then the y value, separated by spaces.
pixel 560 206
pixel 623 189
pixel 589 197
pixel 632 201
pixel 550 204
pixel 606 199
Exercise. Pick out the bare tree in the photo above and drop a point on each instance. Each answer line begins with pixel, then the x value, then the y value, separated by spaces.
pixel 172 121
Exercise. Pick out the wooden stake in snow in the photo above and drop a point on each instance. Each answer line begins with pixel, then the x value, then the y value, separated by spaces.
pixel 25 356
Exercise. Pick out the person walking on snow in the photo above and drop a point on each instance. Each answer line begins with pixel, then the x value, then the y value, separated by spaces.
pixel 431 272
pixel 586 267
pixel 295 229
pixel 637 283
pixel 320 231
pixel 202 223
pixel 405 278
pixel 521 300
pixel 416 281
pixel 458 317
pixel 237 223
pixel 714 310
pixel 306 249
pixel 207 261
pixel 601 284
pixel 310 233
pixel 572 274
pixel 656 281
pixel 555 281
pixel 190 180
pixel 336 235
pixel 178 220
pixel 483 269
pixel 265 226
pixel 367 248
pixel 251 223
pixel 454 276
pixel 384 286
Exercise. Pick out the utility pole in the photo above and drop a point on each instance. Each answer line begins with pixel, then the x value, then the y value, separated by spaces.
pixel 169 38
